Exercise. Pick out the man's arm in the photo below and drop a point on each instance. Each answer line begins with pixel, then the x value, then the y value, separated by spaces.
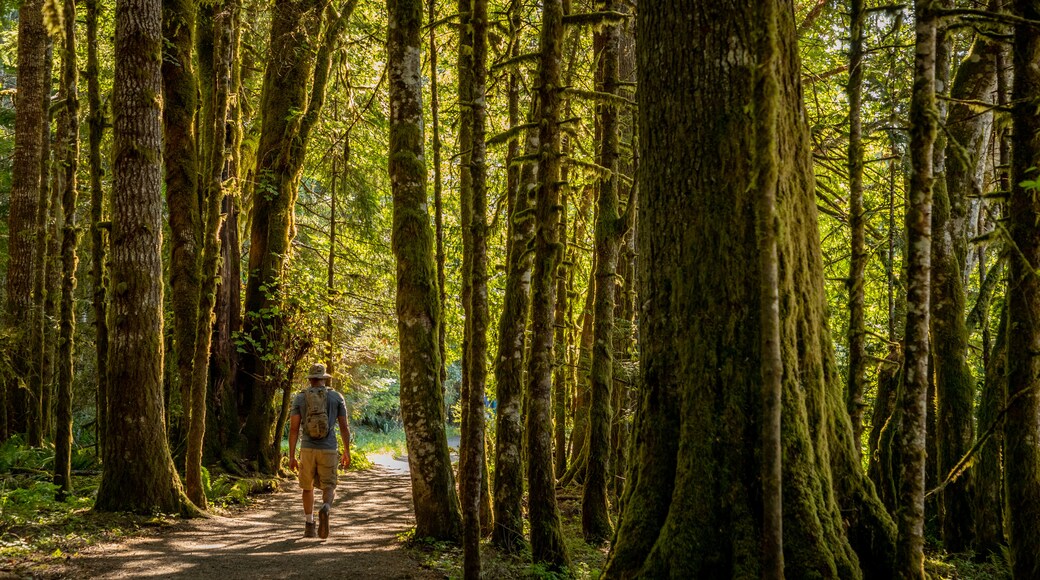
pixel 294 431
pixel 344 433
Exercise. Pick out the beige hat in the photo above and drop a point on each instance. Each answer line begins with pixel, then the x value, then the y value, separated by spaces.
pixel 318 372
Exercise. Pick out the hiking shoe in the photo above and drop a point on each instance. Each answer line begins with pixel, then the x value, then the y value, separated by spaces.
pixel 323 521
pixel 308 532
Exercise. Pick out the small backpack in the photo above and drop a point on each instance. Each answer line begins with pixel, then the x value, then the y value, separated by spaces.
pixel 316 417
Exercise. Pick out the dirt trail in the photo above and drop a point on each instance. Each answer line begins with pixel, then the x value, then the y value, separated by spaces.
pixel 267 541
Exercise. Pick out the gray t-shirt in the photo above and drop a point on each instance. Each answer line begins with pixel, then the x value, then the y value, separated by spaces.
pixel 336 408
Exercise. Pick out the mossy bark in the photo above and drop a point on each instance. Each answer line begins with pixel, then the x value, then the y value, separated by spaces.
pixel 595 516
pixel 69 259
pixel 21 412
pixel 857 374
pixel 913 396
pixel 508 534
pixel 954 384
pixel 692 498
pixel 290 103
pixel 98 233
pixel 38 336
pixel 434 497
pixel 546 534
pixel 139 474
pixel 1022 427
pixel 989 481
pixel 181 175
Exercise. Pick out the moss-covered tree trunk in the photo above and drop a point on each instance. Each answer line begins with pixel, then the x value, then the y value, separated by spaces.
pixel 913 397
pixel 1022 427
pixel 968 134
pixel 989 481
pixel 473 55
pixel 546 535
pixel 438 182
pixel 21 412
pixel 98 233
pixel 692 503
pixel 595 517
pixel 857 376
pixel 222 422
pixel 293 93
pixel 434 497
pixel 508 534
pixel 181 175
pixel 139 474
pixel 69 260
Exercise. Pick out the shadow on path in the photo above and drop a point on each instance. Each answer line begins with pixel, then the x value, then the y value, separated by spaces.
pixel 371 508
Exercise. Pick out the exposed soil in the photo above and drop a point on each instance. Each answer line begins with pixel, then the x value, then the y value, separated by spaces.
pixel 266 541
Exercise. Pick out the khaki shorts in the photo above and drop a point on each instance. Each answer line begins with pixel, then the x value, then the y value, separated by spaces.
pixel 318 468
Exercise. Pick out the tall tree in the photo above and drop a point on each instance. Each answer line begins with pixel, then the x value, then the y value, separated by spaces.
pixel 913 399
pixel 857 261
pixel 69 260
pixel 136 427
pixel 181 175
pixel 20 412
pixel 692 502
pixel 472 100
pixel 610 228
pixel 968 133
pixel 546 535
pixel 1022 427
pixel 98 232
pixel 303 34
pixel 434 498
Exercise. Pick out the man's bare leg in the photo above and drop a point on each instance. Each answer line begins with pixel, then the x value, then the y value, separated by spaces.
pixel 308 504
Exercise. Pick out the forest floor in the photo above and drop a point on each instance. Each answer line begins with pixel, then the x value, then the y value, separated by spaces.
pixel 372 509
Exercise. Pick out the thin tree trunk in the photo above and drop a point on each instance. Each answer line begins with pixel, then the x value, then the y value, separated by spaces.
pixel 136 426
pixel 546 535
pixel 70 237
pixel 434 497
pixel 913 398
pixel 857 263
pixel 98 233
pixel 595 515
pixel 438 197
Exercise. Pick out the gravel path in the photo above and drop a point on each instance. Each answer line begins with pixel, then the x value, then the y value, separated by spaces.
pixel 267 541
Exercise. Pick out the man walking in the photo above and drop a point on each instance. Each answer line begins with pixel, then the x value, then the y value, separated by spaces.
pixel 318 409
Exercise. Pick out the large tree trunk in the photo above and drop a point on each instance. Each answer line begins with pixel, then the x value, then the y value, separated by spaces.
pixel 292 97
pixel 69 260
pixel 21 412
pixel 595 518
pixel 136 427
pixel 1022 429
pixel 546 535
pixel 434 497
pixel 693 498
pixel 968 134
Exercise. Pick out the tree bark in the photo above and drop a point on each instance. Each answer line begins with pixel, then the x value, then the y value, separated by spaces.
pixel 546 535
pixel 913 399
pixel 21 412
pixel 98 232
pixel 434 497
pixel 692 503
pixel 857 262
pixel 136 427
pixel 968 134
pixel 69 240
pixel 595 516
pixel 1022 427
pixel 181 175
